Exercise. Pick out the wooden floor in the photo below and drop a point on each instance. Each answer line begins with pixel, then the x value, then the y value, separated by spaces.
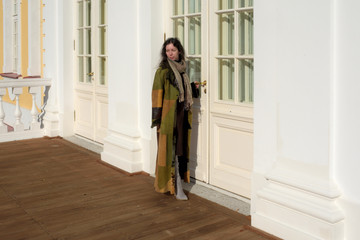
pixel 52 189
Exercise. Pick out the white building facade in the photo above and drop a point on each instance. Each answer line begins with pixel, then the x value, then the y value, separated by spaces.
pixel 276 122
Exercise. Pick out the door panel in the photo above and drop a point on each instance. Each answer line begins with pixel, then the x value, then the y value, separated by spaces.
pixel 91 78
pixel 231 154
pixel 231 95
pixel 84 115
pixel 217 37
pixel 187 24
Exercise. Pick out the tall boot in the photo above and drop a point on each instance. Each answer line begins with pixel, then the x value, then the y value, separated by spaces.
pixel 179 192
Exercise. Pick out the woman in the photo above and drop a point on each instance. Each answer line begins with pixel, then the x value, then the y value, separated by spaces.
pixel 171 114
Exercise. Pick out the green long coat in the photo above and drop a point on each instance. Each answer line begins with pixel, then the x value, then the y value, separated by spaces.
pixel 164 100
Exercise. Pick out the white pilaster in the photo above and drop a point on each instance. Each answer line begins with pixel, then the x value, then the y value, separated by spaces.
pixel 294 195
pixel 34 68
pixel 7 19
pixel 122 145
pixel 51 69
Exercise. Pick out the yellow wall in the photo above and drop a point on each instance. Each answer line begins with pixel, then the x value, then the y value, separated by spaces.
pixel 25 99
pixel 1 37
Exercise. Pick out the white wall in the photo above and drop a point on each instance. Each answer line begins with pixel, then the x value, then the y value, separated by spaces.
pixel 294 120
pixel 347 131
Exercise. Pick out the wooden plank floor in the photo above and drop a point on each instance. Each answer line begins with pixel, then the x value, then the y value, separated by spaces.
pixel 52 189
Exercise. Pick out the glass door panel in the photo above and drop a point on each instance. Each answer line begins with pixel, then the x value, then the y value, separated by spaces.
pixel 226 36
pixel 102 12
pixel 179 29
pixel 246 23
pixel 246 82
pixel 194 36
pixel 226 79
pixel 194 6
pixel 194 69
pixel 225 4
pixel 245 3
pixel 178 7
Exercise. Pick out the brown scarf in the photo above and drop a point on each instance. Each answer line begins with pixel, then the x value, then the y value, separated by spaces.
pixel 184 90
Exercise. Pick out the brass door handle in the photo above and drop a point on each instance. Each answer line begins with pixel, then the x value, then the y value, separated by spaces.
pixel 201 83
pixel 91 74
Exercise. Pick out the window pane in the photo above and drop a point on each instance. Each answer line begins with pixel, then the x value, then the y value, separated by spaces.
pixel 81 14
pixel 226 79
pixel 194 6
pixel 226 34
pixel 194 69
pixel 88 70
pixel 179 29
pixel 102 11
pixel 102 70
pixel 87 13
pixel 245 3
pixel 88 41
pixel 81 69
pixel 226 4
pixel 194 35
pixel 81 41
pixel 246 23
pixel 246 81
pixel 102 40
pixel 178 7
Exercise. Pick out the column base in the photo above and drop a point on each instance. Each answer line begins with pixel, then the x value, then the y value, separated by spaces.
pixel 289 208
pixel 123 152
pixel 51 124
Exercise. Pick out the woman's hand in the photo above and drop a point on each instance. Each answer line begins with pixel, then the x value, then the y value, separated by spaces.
pixel 197 84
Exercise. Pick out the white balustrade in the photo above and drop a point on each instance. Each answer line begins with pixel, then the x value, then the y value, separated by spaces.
pixel 12 119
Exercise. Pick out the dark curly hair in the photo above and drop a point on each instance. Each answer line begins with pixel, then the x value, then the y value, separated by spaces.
pixel 176 42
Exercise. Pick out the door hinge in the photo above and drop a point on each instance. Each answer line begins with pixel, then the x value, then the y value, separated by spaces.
pixel 164 37
pixel 74 116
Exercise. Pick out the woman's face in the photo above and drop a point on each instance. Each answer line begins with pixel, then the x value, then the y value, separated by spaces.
pixel 172 52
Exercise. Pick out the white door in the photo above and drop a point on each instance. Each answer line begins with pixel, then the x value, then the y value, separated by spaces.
pixel 217 36
pixel 187 24
pixel 91 97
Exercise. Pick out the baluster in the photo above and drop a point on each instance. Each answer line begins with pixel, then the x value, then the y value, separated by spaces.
pixel 19 126
pixel 3 127
pixel 35 125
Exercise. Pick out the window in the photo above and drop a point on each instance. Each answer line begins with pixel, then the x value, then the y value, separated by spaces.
pixel 235 50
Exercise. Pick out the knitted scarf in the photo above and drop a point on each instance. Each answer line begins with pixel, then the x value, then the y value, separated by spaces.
pixel 185 93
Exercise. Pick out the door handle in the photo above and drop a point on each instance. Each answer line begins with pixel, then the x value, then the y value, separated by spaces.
pixel 201 83
pixel 91 74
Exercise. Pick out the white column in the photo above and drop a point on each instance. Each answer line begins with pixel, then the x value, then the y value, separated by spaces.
pixel 34 68
pixel 294 195
pixel 51 60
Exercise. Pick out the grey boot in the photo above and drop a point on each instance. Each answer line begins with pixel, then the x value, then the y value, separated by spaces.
pixel 180 195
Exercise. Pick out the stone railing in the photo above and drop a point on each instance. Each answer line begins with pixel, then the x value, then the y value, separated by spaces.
pixel 14 129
